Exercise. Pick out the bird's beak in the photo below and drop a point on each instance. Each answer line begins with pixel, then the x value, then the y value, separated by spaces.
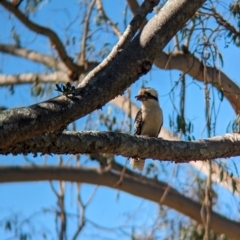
pixel 139 97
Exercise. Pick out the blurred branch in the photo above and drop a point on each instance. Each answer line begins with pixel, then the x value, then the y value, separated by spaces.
pixel 223 22
pixel 55 41
pixel 82 57
pixel 134 6
pixel 130 146
pixel 191 65
pixel 106 18
pixel 26 78
pixel 137 185
pixel 44 59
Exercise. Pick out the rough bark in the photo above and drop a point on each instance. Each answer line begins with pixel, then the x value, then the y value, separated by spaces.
pixel 130 146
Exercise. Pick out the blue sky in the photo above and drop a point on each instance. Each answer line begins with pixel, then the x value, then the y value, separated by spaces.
pixel 108 208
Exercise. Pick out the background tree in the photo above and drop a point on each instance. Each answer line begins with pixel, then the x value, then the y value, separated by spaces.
pixel 92 53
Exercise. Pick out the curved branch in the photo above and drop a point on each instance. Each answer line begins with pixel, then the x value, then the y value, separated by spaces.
pixel 191 65
pixel 25 78
pixel 106 18
pixel 130 146
pixel 44 59
pixel 33 56
pixel 133 184
pixel 82 55
pixel 145 8
pixel 56 42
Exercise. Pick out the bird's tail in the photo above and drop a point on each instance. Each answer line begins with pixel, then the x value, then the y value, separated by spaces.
pixel 137 163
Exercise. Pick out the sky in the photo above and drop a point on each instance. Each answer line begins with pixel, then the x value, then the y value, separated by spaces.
pixel 33 203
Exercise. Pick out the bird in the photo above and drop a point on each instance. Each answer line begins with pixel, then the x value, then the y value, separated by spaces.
pixel 148 121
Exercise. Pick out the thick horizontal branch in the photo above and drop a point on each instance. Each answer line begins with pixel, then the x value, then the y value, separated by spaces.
pixel 56 42
pixel 226 180
pixel 20 124
pixel 131 146
pixel 133 184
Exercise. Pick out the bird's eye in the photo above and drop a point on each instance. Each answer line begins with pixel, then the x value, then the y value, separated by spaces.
pixel 148 94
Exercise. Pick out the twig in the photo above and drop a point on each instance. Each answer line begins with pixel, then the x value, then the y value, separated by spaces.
pixel 145 8
pixel 107 19
pixel 85 33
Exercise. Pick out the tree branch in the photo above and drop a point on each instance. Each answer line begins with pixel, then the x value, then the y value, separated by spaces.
pixel 56 42
pixel 130 146
pixel 139 186
pixel 145 8
pixel 226 180
pixel 106 18
pixel 223 22
pixel 191 65
pixel 187 63
pixel 19 124
pixel 24 78
pixel 44 59
pixel 82 55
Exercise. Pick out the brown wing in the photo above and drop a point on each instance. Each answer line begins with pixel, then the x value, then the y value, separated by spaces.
pixel 160 126
pixel 138 123
pixel 159 130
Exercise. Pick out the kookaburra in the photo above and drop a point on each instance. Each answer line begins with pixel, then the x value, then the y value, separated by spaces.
pixel 148 121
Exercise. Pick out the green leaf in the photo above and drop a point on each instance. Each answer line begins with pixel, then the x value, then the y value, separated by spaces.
pixel 221 58
pixel 234 185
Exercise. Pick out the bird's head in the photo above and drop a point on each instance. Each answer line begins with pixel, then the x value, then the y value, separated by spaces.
pixel 146 94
